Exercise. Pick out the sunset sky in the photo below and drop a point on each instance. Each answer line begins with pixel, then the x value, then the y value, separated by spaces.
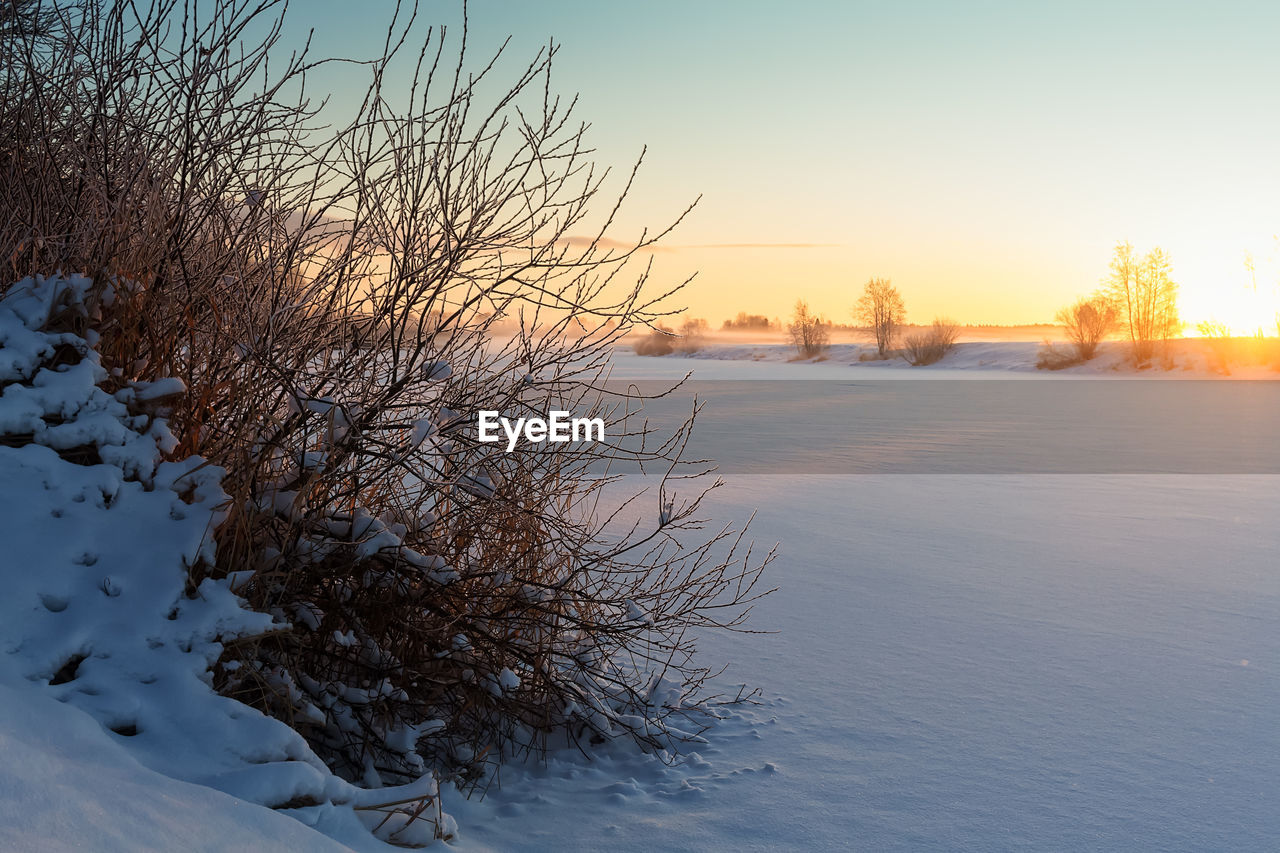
pixel 984 156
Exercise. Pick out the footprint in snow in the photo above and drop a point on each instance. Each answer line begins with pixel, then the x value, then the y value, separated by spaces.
pixel 54 603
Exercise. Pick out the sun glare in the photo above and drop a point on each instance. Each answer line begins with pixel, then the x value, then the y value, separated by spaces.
pixel 1244 311
pixel 1229 289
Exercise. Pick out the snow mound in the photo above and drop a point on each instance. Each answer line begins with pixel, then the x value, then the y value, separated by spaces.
pixel 98 615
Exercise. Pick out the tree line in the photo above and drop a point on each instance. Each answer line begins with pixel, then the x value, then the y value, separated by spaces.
pixel 1136 300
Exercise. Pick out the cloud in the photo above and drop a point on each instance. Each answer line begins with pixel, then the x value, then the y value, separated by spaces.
pixel 578 242
pixel 610 243
pixel 760 246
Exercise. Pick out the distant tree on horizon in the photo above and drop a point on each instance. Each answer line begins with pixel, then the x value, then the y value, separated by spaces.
pixel 693 334
pixel 881 309
pixel 1145 297
pixel 809 332
pixel 745 321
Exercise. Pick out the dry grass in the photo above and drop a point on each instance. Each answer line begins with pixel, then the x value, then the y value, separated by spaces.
pixel 1050 357
pixel 1227 351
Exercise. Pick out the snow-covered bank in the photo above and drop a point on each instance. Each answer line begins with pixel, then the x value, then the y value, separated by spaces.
pixel 1190 358
pixel 69 784
pixel 113 731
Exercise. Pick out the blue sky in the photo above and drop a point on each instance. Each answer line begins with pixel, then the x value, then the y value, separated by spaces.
pixel 985 156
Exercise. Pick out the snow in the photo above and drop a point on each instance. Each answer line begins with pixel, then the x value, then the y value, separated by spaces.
pixel 161 388
pixel 966 663
pixel 1192 358
pixel 69 785
pixel 982 661
pixel 104 656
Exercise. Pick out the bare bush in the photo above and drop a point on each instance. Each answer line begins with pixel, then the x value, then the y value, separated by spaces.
pixel 810 334
pixel 881 309
pixel 661 340
pixel 1088 321
pixel 930 345
pixel 328 288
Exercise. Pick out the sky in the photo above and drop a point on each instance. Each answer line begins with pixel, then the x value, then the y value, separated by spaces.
pixel 986 157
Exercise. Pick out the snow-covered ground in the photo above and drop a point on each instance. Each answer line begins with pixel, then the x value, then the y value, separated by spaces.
pixel 962 662
pixel 113 737
pixel 970 359
pixel 968 663
pixel 955 662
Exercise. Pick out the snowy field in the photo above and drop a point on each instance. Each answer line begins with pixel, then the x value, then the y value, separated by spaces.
pixel 970 661
pixel 964 662
pixel 975 359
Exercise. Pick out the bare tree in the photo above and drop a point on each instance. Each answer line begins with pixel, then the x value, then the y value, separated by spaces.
pixel 1145 297
pixel 330 290
pixel 881 309
pixel 27 19
pixel 693 335
pixel 810 333
pixel 1088 321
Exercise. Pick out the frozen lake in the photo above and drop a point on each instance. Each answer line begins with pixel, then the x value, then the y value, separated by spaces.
pixel 978 661
pixel 943 426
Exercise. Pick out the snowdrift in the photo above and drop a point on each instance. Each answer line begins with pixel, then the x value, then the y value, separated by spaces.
pixel 109 720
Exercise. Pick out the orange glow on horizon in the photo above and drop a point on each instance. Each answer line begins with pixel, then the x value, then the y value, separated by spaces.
pixel 972 285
